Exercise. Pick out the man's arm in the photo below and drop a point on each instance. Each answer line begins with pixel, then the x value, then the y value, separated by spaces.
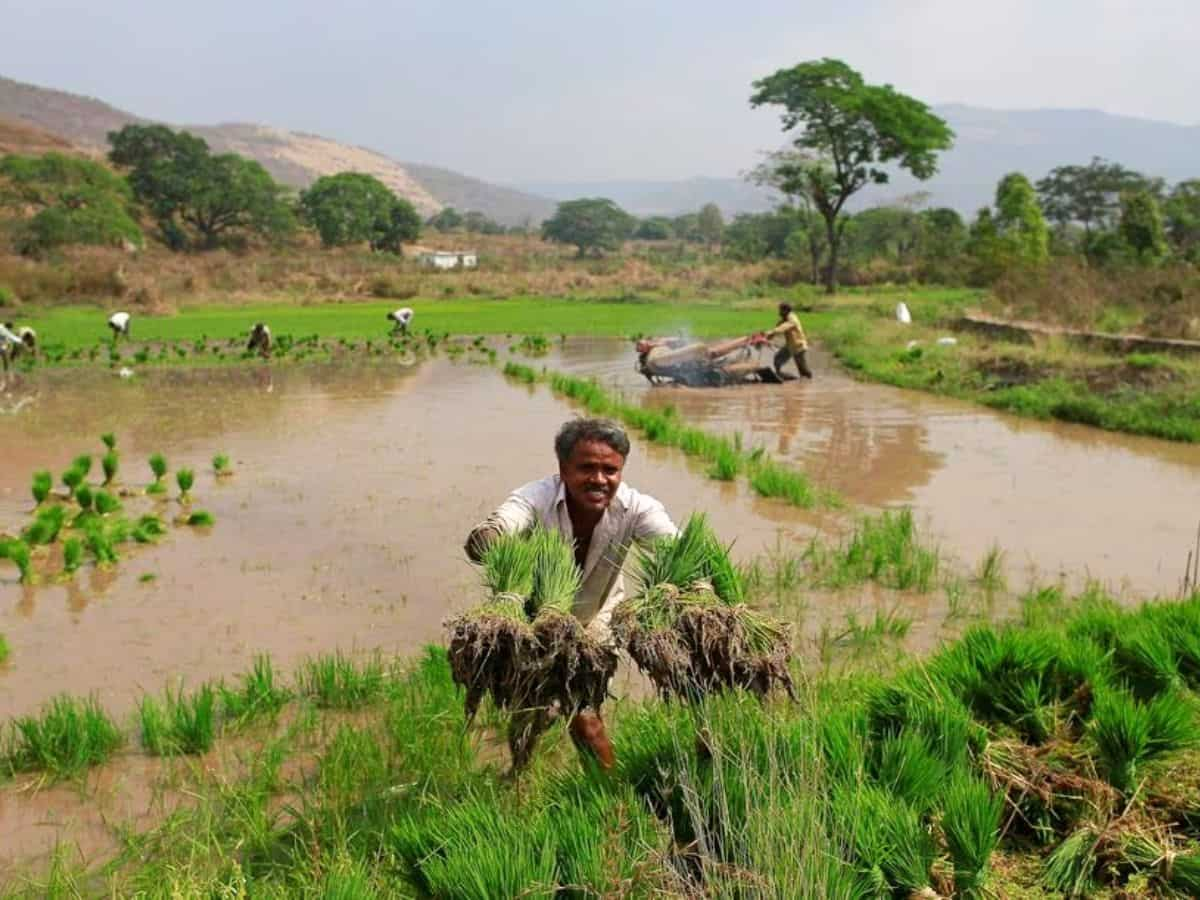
pixel 651 521
pixel 514 515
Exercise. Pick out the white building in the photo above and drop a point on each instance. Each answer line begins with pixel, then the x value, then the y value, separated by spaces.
pixel 449 259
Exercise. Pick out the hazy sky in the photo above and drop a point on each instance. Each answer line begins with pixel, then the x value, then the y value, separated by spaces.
pixel 534 90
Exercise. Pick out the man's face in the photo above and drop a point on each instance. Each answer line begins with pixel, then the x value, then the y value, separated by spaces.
pixel 783 312
pixel 592 474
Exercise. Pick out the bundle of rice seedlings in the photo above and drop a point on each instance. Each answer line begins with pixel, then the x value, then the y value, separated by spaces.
pixel 1153 852
pixel 201 518
pixel 18 552
pixel 105 503
pixel 688 627
pixel 148 529
pixel 42 483
pixel 109 440
pixel 1071 867
pixel 72 478
pixel 1128 733
pixel 971 826
pixel 185 478
pixel 110 462
pixel 487 642
pixel 45 527
pixel 72 554
pixel 158 466
pixel 524 647
pixel 83 463
pixel 220 464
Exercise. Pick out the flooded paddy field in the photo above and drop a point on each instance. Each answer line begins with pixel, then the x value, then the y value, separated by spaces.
pixel 355 484
pixel 1058 499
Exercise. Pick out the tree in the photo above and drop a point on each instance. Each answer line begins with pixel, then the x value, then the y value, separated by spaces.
pixel 710 224
pixel 1020 224
pixel 189 191
pixel 787 171
pixel 74 201
pixel 1141 226
pixel 446 219
pixel 853 129
pixel 350 208
pixel 592 224
pixel 945 234
pixel 1182 211
pixel 687 227
pixel 1089 195
pixel 475 222
pixel 655 228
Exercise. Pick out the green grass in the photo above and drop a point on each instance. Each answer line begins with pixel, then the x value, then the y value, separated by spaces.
pixel 337 682
pixel 258 694
pixel 68 737
pixel 179 723
pixel 886 548
pixel 4 651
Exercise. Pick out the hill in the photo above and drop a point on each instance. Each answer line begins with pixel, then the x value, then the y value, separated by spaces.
pixel 990 144
pixel 294 158
pixel 17 137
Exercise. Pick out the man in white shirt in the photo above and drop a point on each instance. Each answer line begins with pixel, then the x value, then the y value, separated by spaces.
pixel 589 504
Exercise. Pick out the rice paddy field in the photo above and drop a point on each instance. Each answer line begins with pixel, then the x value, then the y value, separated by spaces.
pixel 993 629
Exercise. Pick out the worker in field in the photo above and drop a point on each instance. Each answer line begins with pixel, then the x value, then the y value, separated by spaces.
pixel 589 504
pixel 795 343
pixel 260 340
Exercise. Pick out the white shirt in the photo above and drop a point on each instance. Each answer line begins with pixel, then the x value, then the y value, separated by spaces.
pixel 7 337
pixel 120 320
pixel 402 315
pixel 631 518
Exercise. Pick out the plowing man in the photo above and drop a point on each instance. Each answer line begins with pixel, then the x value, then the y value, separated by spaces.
pixel 603 517
pixel 795 343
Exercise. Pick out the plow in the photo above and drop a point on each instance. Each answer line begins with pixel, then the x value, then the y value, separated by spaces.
pixel 697 364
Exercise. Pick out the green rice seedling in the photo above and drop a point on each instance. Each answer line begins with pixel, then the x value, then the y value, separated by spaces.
pixel 72 554
pixel 1071 867
pixel 258 694
pixel 1147 852
pixel 971 825
pixel 83 463
pixel 45 527
pixel 4 652
pixel 1145 659
pixel 771 479
pixel 220 464
pixel 335 682
pixel 109 440
pixel 110 462
pixel 885 549
pixel 184 478
pixel 158 467
pixel 518 372
pixel 43 481
pixel 990 575
pixel 1127 734
pixel 18 552
pixel 905 765
pixel 69 736
pixel 106 504
pixel 72 478
pixel 149 528
pixel 179 724
pixel 918 702
pixel 100 542
pixel 892 850
pixel 885 624
pixel 201 518
pixel 85 497
pixel 726 465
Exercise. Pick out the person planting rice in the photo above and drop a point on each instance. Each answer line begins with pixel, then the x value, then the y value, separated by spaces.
pixel 260 339
pixel 795 343
pixel 600 517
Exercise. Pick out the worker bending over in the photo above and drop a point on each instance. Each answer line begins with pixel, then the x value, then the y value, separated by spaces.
pixel 795 343
pixel 601 516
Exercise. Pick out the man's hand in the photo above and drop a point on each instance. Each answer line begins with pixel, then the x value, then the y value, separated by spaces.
pixel 587 731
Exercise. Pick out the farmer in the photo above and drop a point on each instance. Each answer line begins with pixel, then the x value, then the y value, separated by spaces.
pixel 796 344
pixel 587 503
pixel 260 339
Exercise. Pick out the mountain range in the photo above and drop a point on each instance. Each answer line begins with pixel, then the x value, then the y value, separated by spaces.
pixel 990 143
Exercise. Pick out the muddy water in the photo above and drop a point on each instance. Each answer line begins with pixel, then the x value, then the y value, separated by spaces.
pixel 341 527
pixel 1057 498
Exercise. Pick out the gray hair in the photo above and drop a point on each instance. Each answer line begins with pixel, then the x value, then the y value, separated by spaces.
pixel 603 430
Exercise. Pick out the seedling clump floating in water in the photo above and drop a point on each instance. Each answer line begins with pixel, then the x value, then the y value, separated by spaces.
pixel 106 503
pixel 42 483
pixel 185 478
pixel 83 463
pixel 110 462
pixel 220 464
pixel 45 526
pixel 158 465
pixel 109 440
pixel 200 518
pixel 72 478
pixel 72 554
pixel 18 552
